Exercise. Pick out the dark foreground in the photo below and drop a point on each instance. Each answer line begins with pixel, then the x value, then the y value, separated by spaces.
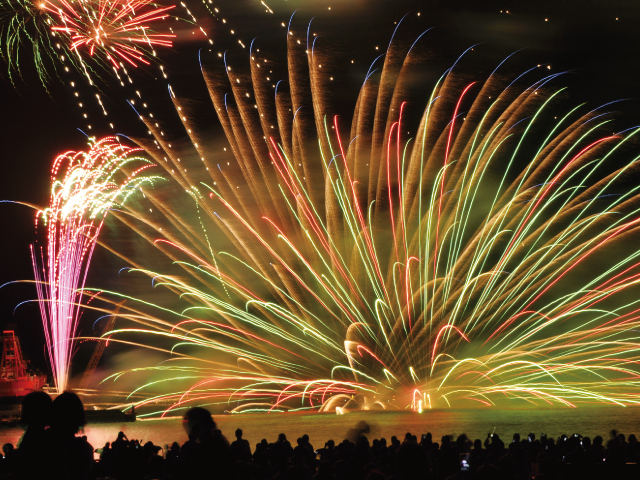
pixel 50 448
pixel 208 455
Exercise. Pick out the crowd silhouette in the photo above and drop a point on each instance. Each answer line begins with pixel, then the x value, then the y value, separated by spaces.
pixel 51 448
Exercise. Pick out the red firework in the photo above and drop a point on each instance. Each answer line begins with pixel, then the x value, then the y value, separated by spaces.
pixel 114 29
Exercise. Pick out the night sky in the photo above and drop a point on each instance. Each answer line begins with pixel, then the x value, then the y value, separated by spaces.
pixel 597 42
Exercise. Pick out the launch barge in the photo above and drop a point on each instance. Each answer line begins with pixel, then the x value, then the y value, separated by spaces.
pixel 15 379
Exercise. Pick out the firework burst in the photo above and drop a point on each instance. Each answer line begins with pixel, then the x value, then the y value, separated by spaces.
pixel 85 186
pixel 23 22
pixel 69 33
pixel 117 31
pixel 475 260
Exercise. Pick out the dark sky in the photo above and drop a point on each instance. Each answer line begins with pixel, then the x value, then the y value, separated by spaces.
pixel 598 41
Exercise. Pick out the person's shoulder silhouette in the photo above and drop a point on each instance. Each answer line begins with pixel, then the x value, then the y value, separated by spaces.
pixel 33 448
pixel 35 417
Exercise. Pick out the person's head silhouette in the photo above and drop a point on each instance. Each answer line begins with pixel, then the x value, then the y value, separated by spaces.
pixel 36 410
pixel 198 423
pixel 239 433
pixel 67 414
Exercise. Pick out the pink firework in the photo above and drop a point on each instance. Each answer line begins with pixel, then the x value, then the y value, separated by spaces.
pixel 84 186
pixel 116 30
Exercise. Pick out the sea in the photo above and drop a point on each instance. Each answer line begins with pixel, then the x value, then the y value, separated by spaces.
pixel 475 423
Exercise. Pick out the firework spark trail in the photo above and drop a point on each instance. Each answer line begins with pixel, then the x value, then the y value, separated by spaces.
pixel 117 30
pixel 66 33
pixel 77 41
pixel 478 260
pixel 23 22
pixel 84 187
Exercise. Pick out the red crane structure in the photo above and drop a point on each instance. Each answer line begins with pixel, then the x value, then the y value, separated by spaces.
pixel 15 379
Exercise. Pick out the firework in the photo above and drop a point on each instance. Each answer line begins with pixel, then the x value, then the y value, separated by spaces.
pixel 23 22
pixel 85 186
pixel 471 255
pixel 116 31
pixel 70 33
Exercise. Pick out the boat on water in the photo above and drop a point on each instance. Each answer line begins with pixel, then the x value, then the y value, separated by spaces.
pixel 108 416
pixel 16 379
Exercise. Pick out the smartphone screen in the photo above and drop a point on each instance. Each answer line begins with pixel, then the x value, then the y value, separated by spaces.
pixel 464 462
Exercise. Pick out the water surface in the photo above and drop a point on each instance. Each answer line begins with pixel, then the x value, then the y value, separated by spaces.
pixel 476 423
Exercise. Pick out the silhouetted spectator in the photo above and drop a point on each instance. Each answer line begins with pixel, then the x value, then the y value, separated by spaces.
pixel 282 449
pixel 494 444
pixel 426 440
pixel 121 442
pixel 173 452
pixel 361 428
pixel 395 444
pixel 33 449
pixel 261 453
pixel 9 460
pixel 72 456
pixel 306 443
pixel 327 453
pixel 207 451
pixel 240 448
pixel 35 416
